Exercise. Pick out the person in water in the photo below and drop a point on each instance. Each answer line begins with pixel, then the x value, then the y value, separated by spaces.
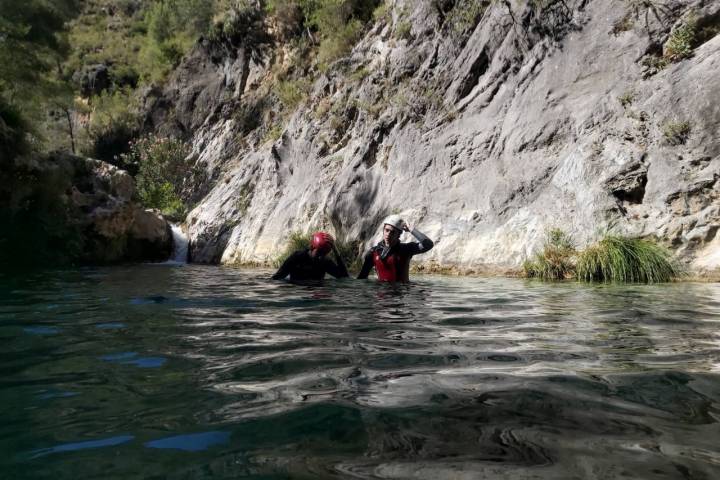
pixel 312 263
pixel 391 258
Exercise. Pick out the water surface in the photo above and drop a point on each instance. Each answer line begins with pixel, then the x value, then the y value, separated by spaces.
pixel 203 372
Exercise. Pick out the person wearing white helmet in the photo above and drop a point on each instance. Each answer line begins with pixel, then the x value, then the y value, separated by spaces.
pixel 391 258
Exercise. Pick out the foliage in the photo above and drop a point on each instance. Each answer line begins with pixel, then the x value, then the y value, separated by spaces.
pixel 33 42
pixel 292 92
pixel 621 259
pixel 114 122
pixel 466 14
pixel 296 241
pixel 403 31
pixel 654 63
pixel 273 133
pixel 338 23
pixel 676 133
pixel 162 164
pixel 349 251
pixel 13 129
pixel 555 261
pixel 681 42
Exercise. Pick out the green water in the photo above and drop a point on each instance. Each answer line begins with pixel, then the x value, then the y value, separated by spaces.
pixel 201 372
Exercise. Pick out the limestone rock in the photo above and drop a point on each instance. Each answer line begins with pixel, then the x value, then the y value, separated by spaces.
pixel 483 135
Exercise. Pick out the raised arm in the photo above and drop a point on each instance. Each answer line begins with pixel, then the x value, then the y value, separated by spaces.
pixel 367 265
pixel 424 243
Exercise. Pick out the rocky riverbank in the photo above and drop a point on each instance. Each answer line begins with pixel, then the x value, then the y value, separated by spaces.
pixel 62 208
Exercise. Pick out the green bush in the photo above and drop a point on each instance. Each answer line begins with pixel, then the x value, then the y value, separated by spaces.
pixel 163 165
pixel 680 44
pixel 621 259
pixel 555 261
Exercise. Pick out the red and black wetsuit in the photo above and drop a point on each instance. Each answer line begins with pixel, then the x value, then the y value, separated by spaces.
pixel 393 264
pixel 301 266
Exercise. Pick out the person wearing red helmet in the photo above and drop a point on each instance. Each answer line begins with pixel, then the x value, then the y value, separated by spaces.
pixel 391 258
pixel 312 263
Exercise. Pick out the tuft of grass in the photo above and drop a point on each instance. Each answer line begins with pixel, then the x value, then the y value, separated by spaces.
pixel 350 253
pixel 296 241
pixel 292 92
pixel 244 198
pixel 555 261
pixel 348 250
pixel 403 31
pixel 621 259
pixel 627 98
pixel 273 133
pixel 676 133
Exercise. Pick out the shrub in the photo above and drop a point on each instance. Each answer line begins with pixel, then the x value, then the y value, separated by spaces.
pixel 621 259
pixel 338 44
pixel 292 92
pixel 466 13
pixel 681 41
pixel 555 261
pixel 676 133
pixel 163 166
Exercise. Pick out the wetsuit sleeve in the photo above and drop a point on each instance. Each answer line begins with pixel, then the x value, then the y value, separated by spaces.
pixel 286 267
pixel 422 246
pixel 367 265
pixel 337 271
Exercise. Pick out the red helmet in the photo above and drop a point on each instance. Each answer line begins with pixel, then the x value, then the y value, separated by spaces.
pixel 322 242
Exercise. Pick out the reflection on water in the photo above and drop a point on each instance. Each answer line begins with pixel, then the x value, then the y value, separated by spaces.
pixel 200 372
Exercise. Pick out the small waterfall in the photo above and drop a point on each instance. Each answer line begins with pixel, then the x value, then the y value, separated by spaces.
pixel 180 245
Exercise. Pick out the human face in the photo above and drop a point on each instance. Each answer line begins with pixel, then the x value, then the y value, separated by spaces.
pixel 391 235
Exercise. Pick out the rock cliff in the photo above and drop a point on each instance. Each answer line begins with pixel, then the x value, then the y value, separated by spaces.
pixel 63 208
pixel 483 132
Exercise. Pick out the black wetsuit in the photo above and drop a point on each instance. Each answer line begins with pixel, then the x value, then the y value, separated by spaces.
pixel 393 264
pixel 301 266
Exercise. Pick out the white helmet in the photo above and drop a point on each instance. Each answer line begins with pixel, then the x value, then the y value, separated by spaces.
pixel 395 221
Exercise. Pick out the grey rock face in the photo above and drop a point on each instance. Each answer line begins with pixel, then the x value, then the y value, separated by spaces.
pixel 483 136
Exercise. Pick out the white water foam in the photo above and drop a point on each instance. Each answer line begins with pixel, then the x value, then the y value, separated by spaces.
pixel 180 246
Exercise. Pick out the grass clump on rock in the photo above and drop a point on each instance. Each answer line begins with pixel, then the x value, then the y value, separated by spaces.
pixel 620 259
pixel 555 261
